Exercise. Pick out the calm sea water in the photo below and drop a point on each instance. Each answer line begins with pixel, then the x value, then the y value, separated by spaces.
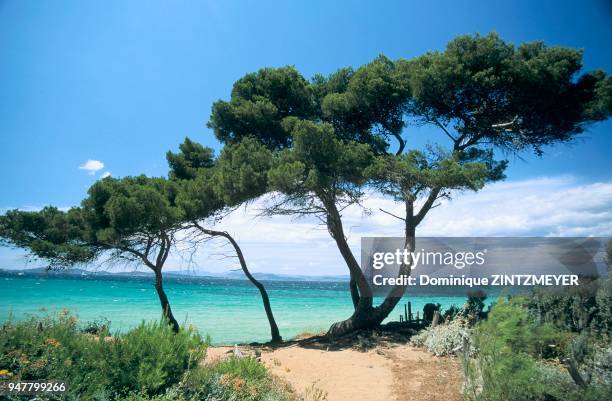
pixel 230 311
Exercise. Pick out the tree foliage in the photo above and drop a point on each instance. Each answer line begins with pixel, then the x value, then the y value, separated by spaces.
pixel 237 176
pixel 491 92
pixel 259 103
pixel 318 168
pixel 191 158
pixel 130 219
pixel 332 136
pixel 122 211
pixel 50 233
pixel 124 216
pixel 369 106
pixel 412 174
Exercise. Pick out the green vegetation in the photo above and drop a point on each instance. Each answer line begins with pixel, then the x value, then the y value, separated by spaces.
pixel 576 309
pixel 148 362
pixel 148 358
pixel 553 345
pixel 132 219
pixel 520 357
pixel 452 337
pixel 232 379
pixel 235 379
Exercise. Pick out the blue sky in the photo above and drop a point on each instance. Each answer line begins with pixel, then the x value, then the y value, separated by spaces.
pixel 122 82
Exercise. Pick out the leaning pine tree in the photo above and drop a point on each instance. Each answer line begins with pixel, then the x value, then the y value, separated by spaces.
pixel 332 136
pixel 132 219
pixel 211 188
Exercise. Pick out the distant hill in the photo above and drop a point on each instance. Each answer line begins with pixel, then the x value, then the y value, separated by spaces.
pixel 231 274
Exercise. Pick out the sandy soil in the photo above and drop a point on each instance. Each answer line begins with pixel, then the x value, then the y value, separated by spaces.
pixel 420 376
pixel 383 372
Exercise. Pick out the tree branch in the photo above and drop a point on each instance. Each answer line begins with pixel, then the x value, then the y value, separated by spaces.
pixel 433 195
pixel 445 130
pixel 401 143
pixel 391 214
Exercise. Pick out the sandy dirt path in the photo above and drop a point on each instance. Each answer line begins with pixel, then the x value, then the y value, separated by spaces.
pixel 394 373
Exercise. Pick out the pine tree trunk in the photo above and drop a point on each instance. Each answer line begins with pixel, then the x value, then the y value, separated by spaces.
pixel 365 315
pixel 274 332
pixel 354 292
pixel 165 304
pixel 361 293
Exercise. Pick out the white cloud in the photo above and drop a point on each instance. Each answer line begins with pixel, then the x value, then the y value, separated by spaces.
pixel 558 206
pixel 92 166
pixel 106 174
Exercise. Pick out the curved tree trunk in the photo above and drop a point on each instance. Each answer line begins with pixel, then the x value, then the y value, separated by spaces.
pixel 165 304
pixel 274 332
pixel 366 315
pixel 354 292
pixel 156 265
pixel 363 318
pixel 361 293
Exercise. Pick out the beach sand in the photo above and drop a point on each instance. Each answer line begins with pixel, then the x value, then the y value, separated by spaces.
pixel 383 372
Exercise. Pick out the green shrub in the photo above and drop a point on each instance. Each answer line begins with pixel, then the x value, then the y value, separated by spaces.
pixel 246 368
pixel 576 309
pixel 519 359
pixel 503 368
pixel 587 307
pixel 149 358
pixel 510 328
pixel 152 357
pixel 42 348
pixel 172 394
pixel 235 379
pixel 148 363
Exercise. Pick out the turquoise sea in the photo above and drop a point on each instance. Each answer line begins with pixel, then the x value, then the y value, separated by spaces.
pixel 230 311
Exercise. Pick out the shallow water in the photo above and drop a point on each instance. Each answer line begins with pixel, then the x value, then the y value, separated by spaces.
pixel 230 311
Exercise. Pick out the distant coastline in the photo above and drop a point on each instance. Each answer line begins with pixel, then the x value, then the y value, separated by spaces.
pixel 195 274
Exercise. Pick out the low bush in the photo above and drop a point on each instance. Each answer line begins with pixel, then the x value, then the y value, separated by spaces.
pixel 148 363
pixel 148 358
pixel 231 379
pixel 245 379
pixel 518 358
pixel 152 357
pixel 584 308
pixel 510 328
pixel 444 339
pixel 576 309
